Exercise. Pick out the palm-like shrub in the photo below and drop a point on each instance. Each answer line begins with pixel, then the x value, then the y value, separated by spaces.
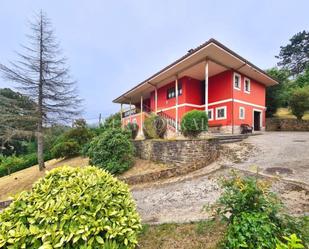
pixel 194 122
pixel 133 129
pixel 112 150
pixel 72 208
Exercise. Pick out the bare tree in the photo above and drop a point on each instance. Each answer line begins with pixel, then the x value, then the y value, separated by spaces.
pixel 42 75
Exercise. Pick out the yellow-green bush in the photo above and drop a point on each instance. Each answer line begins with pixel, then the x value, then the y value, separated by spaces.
pixel 72 208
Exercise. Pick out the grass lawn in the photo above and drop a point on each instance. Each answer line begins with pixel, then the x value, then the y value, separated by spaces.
pixel 286 113
pixel 23 179
pixel 198 235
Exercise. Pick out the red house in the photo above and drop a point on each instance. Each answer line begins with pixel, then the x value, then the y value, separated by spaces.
pixel 210 77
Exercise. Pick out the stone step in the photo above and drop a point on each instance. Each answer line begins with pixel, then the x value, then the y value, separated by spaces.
pixel 225 141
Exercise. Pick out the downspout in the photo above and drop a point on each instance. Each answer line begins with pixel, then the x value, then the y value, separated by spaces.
pixel 232 102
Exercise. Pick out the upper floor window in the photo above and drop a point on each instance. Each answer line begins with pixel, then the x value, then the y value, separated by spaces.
pixel 171 92
pixel 237 81
pixel 247 85
pixel 221 112
pixel 210 114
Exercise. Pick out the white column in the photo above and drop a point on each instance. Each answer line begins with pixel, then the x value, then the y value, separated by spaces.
pixel 156 100
pixel 176 92
pixel 141 117
pixel 206 87
pixel 130 112
pixel 121 112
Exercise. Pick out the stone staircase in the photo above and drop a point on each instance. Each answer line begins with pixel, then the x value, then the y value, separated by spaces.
pixel 224 139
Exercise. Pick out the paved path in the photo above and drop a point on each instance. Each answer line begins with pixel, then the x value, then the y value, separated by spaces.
pixel 183 199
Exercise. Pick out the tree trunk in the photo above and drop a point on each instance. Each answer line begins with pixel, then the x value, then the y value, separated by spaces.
pixel 40 137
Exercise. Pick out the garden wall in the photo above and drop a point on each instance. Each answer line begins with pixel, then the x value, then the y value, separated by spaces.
pixel 193 153
pixel 275 124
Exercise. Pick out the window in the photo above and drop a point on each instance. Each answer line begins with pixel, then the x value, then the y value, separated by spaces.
pixel 171 92
pixel 134 121
pixel 237 81
pixel 210 114
pixel 247 85
pixel 221 113
pixel 241 113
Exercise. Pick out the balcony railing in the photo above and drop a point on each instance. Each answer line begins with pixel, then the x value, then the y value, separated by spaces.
pixel 133 111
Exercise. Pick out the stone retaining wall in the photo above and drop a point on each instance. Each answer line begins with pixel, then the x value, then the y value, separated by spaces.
pixel 275 124
pixel 193 153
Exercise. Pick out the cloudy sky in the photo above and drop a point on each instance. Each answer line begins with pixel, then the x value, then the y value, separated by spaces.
pixel 113 45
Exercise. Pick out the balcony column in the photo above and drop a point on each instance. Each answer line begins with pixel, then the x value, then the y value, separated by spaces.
pixel 141 116
pixel 156 100
pixel 121 113
pixel 130 115
pixel 206 87
pixel 176 92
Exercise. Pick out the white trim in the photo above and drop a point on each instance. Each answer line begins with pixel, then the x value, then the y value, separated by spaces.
pixel 220 102
pixel 206 86
pixel 244 112
pixel 247 79
pixel 212 114
pixel 237 88
pixel 261 117
pixel 225 113
pixel 247 103
pixel 213 103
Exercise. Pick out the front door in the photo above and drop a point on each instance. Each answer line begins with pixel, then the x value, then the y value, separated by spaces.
pixel 257 121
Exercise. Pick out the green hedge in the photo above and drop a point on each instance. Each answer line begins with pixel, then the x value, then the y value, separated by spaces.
pixel 12 163
pixel 72 208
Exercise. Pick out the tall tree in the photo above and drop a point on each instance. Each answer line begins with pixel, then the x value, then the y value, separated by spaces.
pixel 42 74
pixel 295 55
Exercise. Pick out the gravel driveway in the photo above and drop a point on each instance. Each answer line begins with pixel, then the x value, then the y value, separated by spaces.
pixel 184 199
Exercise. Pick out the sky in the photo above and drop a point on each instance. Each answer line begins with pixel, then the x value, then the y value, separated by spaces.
pixel 113 45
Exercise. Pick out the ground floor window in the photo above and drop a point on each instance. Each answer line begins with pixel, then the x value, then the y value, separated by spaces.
pixel 221 112
pixel 241 113
pixel 210 114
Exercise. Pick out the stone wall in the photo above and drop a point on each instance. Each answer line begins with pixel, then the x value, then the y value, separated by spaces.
pixel 275 124
pixel 193 153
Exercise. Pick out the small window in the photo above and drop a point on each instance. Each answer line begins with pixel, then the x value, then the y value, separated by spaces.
pixel 221 113
pixel 171 92
pixel 237 80
pixel 241 113
pixel 247 85
pixel 210 114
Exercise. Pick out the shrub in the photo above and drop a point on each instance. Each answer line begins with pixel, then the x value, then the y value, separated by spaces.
pixel 299 101
pixel 66 149
pixel 154 127
pixel 72 208
pixel 292 242
pixel 133 129
pixel 194 122
pixel 112 150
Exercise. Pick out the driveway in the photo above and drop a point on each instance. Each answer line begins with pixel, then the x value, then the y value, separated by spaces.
pixel 285 154
pixel 183 199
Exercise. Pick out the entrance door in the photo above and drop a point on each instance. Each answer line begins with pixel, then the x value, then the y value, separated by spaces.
pixel 257 121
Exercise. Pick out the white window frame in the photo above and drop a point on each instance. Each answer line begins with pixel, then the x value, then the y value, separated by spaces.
pixel 237 88
pixel 219 108
pixel 244 112
pixel 247 79
pixel 212 114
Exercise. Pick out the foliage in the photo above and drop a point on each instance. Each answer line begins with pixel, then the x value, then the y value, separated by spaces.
pixel 66 149
pixel 292 242
pixel 276 96
pixel 72 208
pixel 112 122
pixel 295 55
pixel 11 164
pixel 194 122
pixel 112 150
pixel 299 101
pixel 133 129
pixel 303 79
pixel 71 142
pixel 154 126
pixel 253 230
